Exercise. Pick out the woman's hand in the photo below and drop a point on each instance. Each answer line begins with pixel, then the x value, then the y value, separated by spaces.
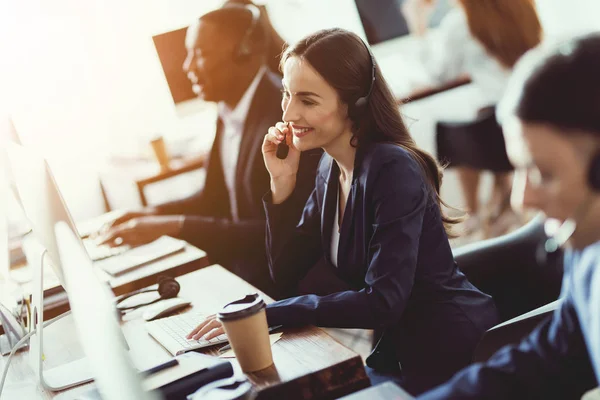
pixel 282 172
pixel 207 329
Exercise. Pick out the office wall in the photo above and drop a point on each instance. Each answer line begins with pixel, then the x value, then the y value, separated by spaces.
pixel 83 79
pixel 567 18
pixel 86 73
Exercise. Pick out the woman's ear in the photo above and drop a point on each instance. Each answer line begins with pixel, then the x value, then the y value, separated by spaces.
pixel 343 109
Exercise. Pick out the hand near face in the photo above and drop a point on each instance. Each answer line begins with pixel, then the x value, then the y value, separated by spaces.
pixel 280 168
pixel 282 172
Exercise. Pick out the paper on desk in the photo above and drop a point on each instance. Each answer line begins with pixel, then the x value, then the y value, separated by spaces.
pixel 274 337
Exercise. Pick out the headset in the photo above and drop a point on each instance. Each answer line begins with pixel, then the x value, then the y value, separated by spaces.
pixel 362 102
pixel 594 173
pixel 244 49
pixel 548 251
pixel 358 107
pixel 167 289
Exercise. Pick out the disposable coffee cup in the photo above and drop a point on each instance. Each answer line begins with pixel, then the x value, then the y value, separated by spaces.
pixel 159 149
pixel 245 323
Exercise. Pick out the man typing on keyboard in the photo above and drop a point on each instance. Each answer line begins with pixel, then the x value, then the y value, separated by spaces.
pixel 226 63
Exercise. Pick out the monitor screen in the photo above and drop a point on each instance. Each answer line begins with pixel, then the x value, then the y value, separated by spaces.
pixel 170 47
pixel 383 19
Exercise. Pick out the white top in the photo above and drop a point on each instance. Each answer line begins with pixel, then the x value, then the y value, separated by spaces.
pixel 233 128
pixel 335 232
pixel 451 50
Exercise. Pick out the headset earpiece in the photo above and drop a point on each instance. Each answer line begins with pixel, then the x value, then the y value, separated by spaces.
pixel 594 173
pixel 244 49
pixel 361 103
pixel 167 289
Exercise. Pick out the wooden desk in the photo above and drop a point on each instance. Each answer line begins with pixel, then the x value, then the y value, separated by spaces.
pixel 175 168
pixel 129 179
pixel 308 362
pixel 55 298
pixel 430 91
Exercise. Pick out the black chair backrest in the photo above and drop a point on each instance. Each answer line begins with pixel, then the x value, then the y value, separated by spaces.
pixel 478 144
pixel 507 268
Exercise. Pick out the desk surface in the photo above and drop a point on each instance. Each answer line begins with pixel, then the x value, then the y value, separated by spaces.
pixel 55 298
pixel 308 362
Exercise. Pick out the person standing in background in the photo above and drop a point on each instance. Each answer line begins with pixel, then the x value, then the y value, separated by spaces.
pixel 482 39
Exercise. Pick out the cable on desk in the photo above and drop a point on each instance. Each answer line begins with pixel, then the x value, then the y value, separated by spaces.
pixel 20 343
pixel 27 336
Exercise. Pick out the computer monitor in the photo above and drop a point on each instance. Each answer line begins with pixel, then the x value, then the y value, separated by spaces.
pixel 95 316
pixel 4 251
pixel 42 202
pixel 171 51
pixel 44 207
pixel 383 20
pixel 9 223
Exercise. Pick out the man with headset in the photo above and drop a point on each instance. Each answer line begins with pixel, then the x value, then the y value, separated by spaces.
pixel 551 118
pixel 226 63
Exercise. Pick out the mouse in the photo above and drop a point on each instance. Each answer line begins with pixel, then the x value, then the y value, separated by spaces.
pixel 164 308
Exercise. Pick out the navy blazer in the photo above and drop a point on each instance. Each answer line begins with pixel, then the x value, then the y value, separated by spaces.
pixel 208 223
pixel 560 359
pixel 394 253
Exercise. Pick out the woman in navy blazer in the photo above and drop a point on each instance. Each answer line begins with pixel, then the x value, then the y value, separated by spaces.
pixel 375 214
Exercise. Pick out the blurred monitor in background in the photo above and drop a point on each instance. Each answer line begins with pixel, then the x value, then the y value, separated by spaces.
pixel 383 20
pixel 170 47
pixel 171 51
pixel 14 224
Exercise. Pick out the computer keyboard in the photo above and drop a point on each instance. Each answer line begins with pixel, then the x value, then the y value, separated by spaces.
pixel 171 333
pixel 141 255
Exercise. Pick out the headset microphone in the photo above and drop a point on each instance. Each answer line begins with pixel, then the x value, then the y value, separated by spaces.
pixel 549 250
pixel 282 149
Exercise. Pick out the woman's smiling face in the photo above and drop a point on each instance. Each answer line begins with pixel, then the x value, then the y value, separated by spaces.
pixel 312 107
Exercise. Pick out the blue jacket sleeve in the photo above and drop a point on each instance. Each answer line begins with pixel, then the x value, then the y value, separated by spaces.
pixel 399 201
pixel 551 363
pixel 291 253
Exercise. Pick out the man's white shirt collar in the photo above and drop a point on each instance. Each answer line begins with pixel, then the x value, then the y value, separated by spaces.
pixel 240 112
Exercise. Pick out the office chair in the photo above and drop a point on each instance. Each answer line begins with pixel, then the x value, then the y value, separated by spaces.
pixel 524 289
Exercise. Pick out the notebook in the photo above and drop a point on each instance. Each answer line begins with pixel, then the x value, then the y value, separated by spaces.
pixel 142 255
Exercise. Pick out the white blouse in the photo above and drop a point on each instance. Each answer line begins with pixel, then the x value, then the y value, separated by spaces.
pixel 335 232
pixel 450 51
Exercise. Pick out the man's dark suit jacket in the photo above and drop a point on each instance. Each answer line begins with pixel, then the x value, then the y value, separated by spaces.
pixel 240 246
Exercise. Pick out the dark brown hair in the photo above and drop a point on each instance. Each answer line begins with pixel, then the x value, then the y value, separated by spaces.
pixel 558 85
pixel 344 61
pixel 505 28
